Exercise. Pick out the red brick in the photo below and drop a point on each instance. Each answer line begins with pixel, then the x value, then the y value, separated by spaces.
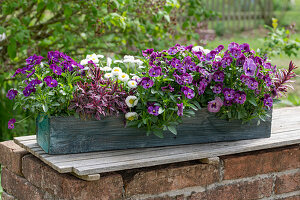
pixel 20 187
pixel 66 186
pixel 287 183
pixel 261 162
pixel 171 178
pixel 11 156
pixel 179 197
pixel 297 197
pixel 6 196
pixel 242 190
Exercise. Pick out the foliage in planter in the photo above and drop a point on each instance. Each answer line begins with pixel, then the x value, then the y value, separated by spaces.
pixel 47 84
pixel 236 84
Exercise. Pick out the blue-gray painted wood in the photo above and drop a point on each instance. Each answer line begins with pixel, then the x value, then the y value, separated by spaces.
pixel 64 135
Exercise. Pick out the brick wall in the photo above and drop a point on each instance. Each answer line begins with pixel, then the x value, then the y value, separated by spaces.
pixel 272 174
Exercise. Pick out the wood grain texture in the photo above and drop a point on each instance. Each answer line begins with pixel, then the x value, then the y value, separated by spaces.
pixel 107 161
pixel 64 135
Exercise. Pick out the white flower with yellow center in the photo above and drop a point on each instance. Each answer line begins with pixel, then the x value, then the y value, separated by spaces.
pixel 123 77
pixel 93 57
pixel 131 101
pixel 132 84
pixel 131 116
pixel 136 78
pixel 108 75
pixel 116 71
pixel 106 69
pixel 84 62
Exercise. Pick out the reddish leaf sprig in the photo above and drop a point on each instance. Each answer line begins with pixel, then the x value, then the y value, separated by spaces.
pixel 101 97
pixel 283 80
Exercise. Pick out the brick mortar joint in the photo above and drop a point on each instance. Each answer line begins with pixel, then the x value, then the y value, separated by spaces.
pixel 190 190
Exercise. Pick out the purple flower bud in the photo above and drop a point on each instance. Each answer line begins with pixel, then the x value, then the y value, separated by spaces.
pixel 11 94
pixel 180 109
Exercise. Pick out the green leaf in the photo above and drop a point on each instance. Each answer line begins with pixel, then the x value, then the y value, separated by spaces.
pixel 67 10
pixel 253 101
pixel 193 107
pixel 158 133
pixel 12 46
pixel 172 129
pixel 45 108
pixel 197 104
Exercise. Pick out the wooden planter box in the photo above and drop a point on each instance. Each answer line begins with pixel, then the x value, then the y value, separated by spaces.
pixel 64 135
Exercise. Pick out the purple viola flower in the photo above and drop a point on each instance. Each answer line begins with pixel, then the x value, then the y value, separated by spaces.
pixel 241 60
pixel 198 54
pixel 181 68
pixel 216 65
pixel 233 45
pixel 226 61
pixel 57 70
pixel 245 47
pixel 172 51
pixel 267 65
pixel 11 94
pixel 201 87
pixel 35 82
pixel 11 123
pixel 188 92
pixel 219 48
pixel 268 101
pixel 244 78
pixel 192 67
pixel 258 60
pixel 186 78
pixel 235 52
pixel 211 55
pixel 189 48
pixel 34 60
pixel 178 79
pixel 215 105
pixel 268 80
pixel 249 67
pixel 180 109
pixel 240 97
pixel 155 71
pixel 227 102
pixel 147 52
pixel 50 81
pixel 259 75
pixel 218 76
pixel 228 93
pixel 217 89
pixel 53 56
pixel 153 110
pixel 146 82
pixel 167 88
pixel 252 83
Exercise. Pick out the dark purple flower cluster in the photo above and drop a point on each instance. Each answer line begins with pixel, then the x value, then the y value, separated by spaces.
pixel 11 94
pixel 31 87
pixel 11 123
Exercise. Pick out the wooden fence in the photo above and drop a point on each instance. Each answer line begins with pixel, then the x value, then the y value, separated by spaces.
pixel 240 14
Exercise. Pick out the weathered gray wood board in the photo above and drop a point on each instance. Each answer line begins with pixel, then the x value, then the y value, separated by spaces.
pixel 64 135
pixel 285 131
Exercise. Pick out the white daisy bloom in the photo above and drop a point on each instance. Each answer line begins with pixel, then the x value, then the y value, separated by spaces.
pixel 108 75
pixel 142 67
pixel 127 57
pixel 132 84
pixel 100 56
pixel 197 48
pixel 131 116
pixel 93 57
pixel 116 71
pixel 109 60
pixel 131 101
pixel 118 61
pixel 136 78
pixel 206 51
pixel 160 110
pixel 84 62
pixel 106 69
pixel 139 62
pixel 123 77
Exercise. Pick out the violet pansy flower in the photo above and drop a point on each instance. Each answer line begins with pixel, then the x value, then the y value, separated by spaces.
pixel 11 123
pixel 201 87
pixel 218 76
pixel 153 110
pixel 155 71
pixel 11 94
pixel 268 101
pixel 146 82
pixel 228 93
pixel 188 92
pixel 217 89
pixel 240 97
pixel 57 70
pixel 249 67
pixel 235 52
pixel 186 78
pixel 252 83
pixel 245 47
pixel 215 105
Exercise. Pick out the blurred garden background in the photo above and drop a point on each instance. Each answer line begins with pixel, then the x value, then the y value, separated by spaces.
pixel 124 27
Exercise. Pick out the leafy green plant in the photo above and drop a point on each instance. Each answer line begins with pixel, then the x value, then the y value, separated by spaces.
pixel 279 42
